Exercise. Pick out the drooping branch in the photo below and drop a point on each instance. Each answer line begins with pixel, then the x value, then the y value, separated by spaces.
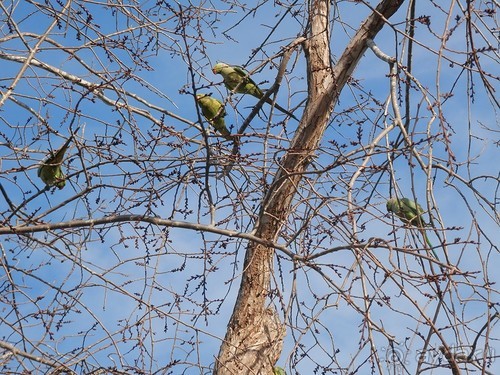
pixel 98 89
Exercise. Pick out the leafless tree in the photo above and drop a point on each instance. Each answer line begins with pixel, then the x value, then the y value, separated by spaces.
pixel 174 250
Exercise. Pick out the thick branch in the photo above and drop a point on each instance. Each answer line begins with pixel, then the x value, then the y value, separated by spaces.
pixel 46 227
pixel 254 338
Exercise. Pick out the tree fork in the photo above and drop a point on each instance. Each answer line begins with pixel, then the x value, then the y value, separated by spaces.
pixel 254 337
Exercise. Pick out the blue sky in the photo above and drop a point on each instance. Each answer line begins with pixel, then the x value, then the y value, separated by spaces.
pixel 113 269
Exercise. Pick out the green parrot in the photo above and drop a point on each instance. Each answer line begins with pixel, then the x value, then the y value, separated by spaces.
pixel 238 80
pixel 278 371
pixel 214 112
pixel 50 171
pixel 410 212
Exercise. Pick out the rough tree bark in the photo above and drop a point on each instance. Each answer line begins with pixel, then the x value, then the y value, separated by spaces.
pixel 254 337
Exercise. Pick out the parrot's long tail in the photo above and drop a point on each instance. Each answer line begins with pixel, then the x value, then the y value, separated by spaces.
pixel 430 244
pixel 281 109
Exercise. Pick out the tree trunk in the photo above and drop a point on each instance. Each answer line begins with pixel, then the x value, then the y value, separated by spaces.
pixel 254 337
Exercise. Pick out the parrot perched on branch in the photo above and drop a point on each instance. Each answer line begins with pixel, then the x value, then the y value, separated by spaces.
pixel 50 171
pixel 214 112
pixel 410 212
pixel 238 80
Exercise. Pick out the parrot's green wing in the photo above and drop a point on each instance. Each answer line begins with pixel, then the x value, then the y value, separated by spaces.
pixel 413 212
pixel 246 78
pixel 241 71
pixel 278 371
pixel 244 84
pixel 248 86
